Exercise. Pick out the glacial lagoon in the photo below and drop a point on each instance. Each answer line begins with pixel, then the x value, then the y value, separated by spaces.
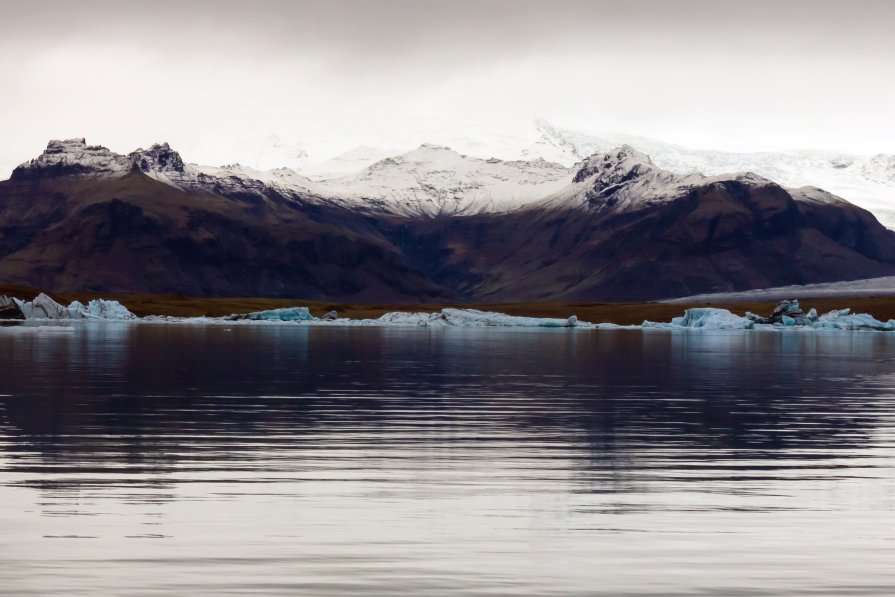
pixel 205 460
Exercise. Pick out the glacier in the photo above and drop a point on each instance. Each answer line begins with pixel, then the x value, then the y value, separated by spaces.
pixel 883 286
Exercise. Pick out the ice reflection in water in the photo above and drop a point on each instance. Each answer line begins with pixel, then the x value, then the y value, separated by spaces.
pixel 205 460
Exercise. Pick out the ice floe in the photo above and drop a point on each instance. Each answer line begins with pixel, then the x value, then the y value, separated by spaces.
pixel 284 314
pixel 447 317
pixel 101 309
pixel 471 318
pixel 788 315
pixel 45 308
pixel 705 318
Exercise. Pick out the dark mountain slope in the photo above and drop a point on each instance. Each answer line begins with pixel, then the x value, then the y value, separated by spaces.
pixel 734 234
pixel 135 234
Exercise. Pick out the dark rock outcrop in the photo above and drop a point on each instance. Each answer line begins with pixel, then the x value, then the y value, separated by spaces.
pixel 787 313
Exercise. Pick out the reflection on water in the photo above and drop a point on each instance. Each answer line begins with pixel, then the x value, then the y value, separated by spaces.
pixel 206 460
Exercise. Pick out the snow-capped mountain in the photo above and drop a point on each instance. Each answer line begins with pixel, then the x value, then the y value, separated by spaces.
pixel 436 180
pixel 625 179
pixel 429 224
pixel 284 160
pixel 428 181
pixel 431 180
pixel 349 162
pixel 866 181
pixel 162 163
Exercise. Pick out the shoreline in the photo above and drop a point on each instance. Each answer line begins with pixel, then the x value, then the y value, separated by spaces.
pixel 632 313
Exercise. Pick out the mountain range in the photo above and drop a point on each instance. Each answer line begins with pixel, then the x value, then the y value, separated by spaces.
pixel 431 224
pixel 866 180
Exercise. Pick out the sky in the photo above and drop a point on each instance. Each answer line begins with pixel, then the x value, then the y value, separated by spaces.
pixel 218 78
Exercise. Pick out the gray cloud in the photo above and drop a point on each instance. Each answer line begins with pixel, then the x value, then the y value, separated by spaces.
pixel 711 73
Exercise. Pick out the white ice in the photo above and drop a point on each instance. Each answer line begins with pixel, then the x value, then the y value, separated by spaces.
pixel 705 318
pixel 700 318
pixel 45 308
pixel 721 319
pixel 284 314
pixel 472 318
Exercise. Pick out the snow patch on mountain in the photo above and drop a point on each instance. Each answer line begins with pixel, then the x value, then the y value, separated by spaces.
pixel 625 178
pixel 435 179
pixel 866 181
pixel 74 157
pixel 349 162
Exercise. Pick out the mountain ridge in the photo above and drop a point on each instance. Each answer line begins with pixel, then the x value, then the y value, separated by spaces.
pixel 425 226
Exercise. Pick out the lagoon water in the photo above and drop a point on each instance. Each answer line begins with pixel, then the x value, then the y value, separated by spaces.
pixel 189 460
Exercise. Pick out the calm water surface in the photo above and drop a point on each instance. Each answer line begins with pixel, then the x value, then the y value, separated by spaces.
pixel 144 460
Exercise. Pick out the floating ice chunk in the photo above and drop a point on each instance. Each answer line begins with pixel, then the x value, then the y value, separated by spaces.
pixel 476 318
pixel 77 310
pixel 284 314
pixel 843 319
pixel 42 307
pixel 705 318
pixel 100 309
pixel 108 310
pixel 403 318
pixel 722 319
pixel 472 318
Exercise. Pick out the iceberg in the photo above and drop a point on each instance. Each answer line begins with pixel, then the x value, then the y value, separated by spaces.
pixel 284 314
pixel 844 319
pixel 100 309
pixel 473 318
pixel 109 310
pixel 476 318
pixel 43 307
pixel 787 316
pixel 709 318
pixel 405 318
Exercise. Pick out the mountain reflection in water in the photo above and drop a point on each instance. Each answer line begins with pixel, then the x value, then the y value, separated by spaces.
pixel 142 459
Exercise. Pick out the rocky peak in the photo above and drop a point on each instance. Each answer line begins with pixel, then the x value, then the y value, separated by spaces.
pixel 158 158
pixel 65 145
pixel 72 157
pixel 615 166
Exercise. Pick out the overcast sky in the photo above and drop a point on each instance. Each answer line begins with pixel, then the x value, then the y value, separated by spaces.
pixel 206 75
